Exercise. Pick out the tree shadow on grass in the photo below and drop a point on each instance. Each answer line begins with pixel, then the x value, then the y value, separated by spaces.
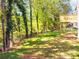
pixel 38 41
pixel 50 52
pixel 9 55
pixel 57 47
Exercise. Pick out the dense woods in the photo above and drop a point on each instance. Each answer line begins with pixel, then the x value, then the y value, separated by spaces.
pixel 30 17
pixel 36 24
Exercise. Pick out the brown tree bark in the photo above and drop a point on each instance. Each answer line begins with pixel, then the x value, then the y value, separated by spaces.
pixel 30 4
pixel 3 26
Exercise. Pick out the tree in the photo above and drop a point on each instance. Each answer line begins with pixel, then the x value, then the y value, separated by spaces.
pixel 30 4
pixel 6 14
pixel 55 8
pixel 3 19
pixel 36 8
pixel 9 23
pixel 23 10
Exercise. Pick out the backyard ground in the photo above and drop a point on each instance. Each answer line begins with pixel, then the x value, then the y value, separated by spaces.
pixel 46 46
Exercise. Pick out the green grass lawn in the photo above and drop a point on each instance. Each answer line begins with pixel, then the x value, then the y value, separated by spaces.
pixel 47 46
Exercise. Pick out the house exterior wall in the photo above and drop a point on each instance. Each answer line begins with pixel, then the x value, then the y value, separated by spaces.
pixel 69 19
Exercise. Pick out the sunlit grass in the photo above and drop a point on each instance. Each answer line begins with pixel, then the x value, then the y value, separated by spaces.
pixel 49 47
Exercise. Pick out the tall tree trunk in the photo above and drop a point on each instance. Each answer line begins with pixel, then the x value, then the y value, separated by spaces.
pixel 37 22
pixel 30 3
pixel 9 23
pixel 18 21
pixel 56 22
pixel 23 10
pixel 3 19
pixel 25 22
